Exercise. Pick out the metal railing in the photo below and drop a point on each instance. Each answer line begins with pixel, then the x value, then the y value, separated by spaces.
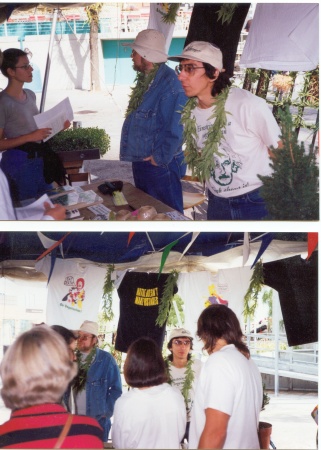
pixel 273 356
pixel 127 24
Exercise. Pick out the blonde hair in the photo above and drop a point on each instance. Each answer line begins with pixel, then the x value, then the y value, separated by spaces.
pixel 36 369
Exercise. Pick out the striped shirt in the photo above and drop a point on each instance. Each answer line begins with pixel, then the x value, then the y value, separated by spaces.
pixel 40 426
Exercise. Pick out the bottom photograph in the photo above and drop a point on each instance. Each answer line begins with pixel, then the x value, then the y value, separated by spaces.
pixel 158 340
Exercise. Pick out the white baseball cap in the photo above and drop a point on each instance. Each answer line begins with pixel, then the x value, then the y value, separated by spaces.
pixel 201 51
pixel 151 45
pixel 179 332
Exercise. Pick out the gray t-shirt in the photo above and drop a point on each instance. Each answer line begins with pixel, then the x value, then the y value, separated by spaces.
pixel 16 116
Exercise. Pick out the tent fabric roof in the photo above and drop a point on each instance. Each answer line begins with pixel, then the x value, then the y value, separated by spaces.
pixel 144 251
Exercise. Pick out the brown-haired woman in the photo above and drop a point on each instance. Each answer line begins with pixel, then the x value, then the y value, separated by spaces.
pixel 152 414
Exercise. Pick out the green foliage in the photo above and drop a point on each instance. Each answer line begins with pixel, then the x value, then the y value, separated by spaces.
pixel 291 192
pixel 172 320
pixel 170 16
pixel 167 298
pixel 142 83
pixel 225 14
pixel 93 12
pixel 252 295
pixel 107 308
pixel 81 139
pixel 267 299
pixel 202 163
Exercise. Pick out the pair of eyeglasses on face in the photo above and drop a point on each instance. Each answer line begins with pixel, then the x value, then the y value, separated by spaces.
pixel 85 337
pixel 179 342
pixel 188 68
pixel 25 66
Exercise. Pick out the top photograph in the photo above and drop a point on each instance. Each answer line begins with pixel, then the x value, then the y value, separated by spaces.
pixel 159 111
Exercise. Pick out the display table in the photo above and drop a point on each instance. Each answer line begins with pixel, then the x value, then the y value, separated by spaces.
pixel 135 198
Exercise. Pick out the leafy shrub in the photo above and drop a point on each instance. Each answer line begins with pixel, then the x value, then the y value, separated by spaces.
pixel 81 139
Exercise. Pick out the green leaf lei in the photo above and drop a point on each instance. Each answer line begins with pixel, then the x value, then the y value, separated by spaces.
pixel 188 381
pixel 167 298
pixel 143 82
pixel 202 162
pixel 79 382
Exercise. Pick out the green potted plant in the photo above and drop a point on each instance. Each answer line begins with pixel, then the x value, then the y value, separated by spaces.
pixel 78 144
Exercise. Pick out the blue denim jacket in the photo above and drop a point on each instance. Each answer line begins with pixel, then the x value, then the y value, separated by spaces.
pixel 103 387
pixel 154 128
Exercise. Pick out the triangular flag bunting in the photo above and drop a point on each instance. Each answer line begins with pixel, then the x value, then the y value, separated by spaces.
pixel 312 243
pixel 165 254
pixel 130 236
pixel 266 240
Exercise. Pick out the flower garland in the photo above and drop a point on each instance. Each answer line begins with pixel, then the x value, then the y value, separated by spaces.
pixel 202 162
pixel 83 367
pixel 143 82
pixel 188 381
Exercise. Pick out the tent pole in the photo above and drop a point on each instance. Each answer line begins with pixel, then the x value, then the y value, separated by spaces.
pixel 45 83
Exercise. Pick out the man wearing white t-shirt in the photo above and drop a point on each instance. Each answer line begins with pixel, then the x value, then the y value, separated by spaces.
pixel 183 369
pixel 229 133
pixel 229 393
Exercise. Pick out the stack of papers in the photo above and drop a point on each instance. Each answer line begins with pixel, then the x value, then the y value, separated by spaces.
pixel 77 198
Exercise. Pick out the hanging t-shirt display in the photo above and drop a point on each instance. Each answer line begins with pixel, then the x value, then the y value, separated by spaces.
pixel 140 295
pixel 74 292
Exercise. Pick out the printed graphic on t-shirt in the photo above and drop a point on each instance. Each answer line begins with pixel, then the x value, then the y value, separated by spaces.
pixel 226 166
pixel 214 298
pixel 76 294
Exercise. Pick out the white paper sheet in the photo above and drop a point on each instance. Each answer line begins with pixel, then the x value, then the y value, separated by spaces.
pixel 55 117
pixel 33 211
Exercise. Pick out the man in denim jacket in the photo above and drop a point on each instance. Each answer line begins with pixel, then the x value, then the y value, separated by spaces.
pixel 152 134
pixel 98 384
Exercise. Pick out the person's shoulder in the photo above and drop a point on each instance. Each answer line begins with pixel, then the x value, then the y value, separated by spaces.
pixel 239 94
pixel 29 93
pixel 85 420
pixel 197 363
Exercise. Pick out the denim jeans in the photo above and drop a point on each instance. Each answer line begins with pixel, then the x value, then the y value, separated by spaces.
pixel 249 206
pixel 162 182
pixel 25 175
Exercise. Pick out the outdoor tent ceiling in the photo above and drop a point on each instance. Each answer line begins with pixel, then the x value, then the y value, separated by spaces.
pixel 142 251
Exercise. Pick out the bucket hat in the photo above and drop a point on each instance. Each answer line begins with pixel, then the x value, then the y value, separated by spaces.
pixel 89 327
pixel 151 45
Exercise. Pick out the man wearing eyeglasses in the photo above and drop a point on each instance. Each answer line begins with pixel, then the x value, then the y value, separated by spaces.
pixel 97 384
pixel 228 134
pixel 152 134
pixel 183 370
